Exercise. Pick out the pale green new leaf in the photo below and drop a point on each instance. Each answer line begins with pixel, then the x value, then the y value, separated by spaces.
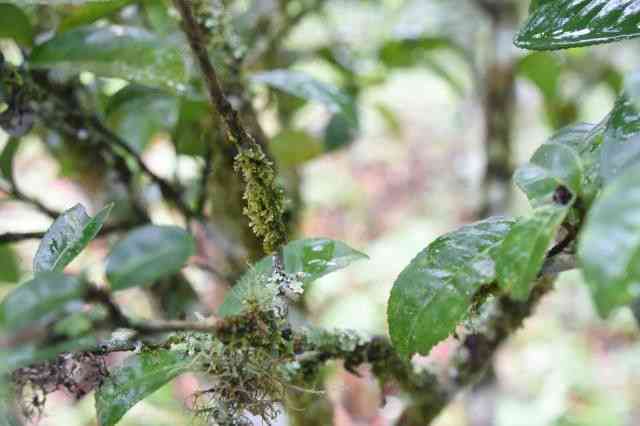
pixel 609 244
pixel 313 258
pixel 139 376
pixel 148 254
pixel 434 292
pixel 69 234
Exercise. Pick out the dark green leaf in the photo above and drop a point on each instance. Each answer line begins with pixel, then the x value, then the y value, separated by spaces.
pixel 522 254
pixel 148 254
pixel 292 148
pixel 45 296
pixel 621 144
pixel 433 293
pixel 6 158
pixel 69 234
pixel 139 376
pixel 9 265
pixel 91 12
pixel 195 127
pixel 609 244
pixel 313 257
pixel 339 133
pixel 137 114
pixel 306 87
pixel 115 51
pixel 15 24
pixel 552 165
pixel 561 24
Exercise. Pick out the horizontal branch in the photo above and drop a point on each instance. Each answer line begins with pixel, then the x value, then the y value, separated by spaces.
pixel 14 237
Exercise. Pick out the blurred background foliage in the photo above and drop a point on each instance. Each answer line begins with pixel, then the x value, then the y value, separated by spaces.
pixel 391 122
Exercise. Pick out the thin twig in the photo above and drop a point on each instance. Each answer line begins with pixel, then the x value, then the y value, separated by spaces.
pixel 14 237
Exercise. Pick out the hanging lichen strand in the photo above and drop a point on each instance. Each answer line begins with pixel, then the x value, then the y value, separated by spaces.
pixel 265 200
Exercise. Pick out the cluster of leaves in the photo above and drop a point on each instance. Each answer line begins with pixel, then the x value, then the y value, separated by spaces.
pixel 582 185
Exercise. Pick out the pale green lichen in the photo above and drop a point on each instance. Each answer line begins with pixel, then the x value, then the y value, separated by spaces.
pixel 264 198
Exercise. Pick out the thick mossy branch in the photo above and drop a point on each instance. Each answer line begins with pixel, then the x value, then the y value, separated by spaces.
pixel 265 199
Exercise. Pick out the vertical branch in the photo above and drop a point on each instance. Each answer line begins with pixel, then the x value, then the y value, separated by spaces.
pixel 499 109
pixel 265 203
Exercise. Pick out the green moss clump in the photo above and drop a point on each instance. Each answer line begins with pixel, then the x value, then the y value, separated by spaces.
pixel 264 198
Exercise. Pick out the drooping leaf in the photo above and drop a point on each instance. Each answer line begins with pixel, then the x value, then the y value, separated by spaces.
pixel 9 265
pixel 621 144
pixel 312 257
pixel 15 24
pixel 6 158
pixel 543 70
pixel 90 12
pixel 44 296
pixel 194 128
pixel 306 87
pixel 433 293
pixel 521 255
pixel 137 114
pixel 551 166
pixel 294 147
pixel 609 244
pixel 139 376
pixel 148 254
pixel 560 24
pixel 69 234
pixel 128 53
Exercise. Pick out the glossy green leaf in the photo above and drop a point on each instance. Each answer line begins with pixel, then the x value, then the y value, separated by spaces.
pixel 6 158
pixel 44 296
pixel 560 24
pixel 304 86
pixel 128 53
pixel 522 254
pixel 15 24
pixel 9 265
pixel 139 376
pixel 292 148
pixel 621 144
pixel 551 166
pixel 433 293
pixel 609 244
pixel 312 257
pixel 69 234
pixel 137 114
pixel 90 12
pixel 148 254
